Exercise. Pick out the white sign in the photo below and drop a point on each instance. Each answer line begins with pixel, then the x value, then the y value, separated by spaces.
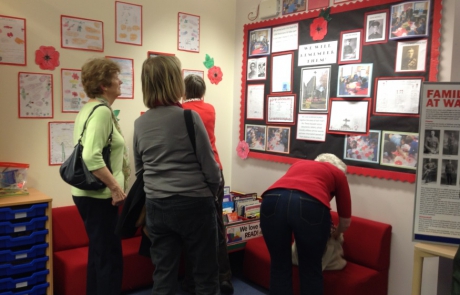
pixel 318 53
pixel 241 232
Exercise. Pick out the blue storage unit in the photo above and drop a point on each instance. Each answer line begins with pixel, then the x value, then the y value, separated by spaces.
pixel 9 227
pixel 8 255
pixel 10 241
pixel 18 212
pixel 8 284
pixel 34 290
pixel 14 269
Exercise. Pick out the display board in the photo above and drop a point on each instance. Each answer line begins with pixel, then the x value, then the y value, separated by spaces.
pixel 348 86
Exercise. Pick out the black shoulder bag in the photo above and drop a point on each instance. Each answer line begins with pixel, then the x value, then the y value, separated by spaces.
pixel 74 170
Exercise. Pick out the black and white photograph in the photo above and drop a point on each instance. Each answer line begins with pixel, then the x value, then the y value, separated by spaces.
pixel 449 172
pixel 257 68
pixel 450 143
pixel 409 20
pixel 314 89
pixel 411 56
pixel 375 27
pixel 429 171
pixel 350 47
pixel 431 144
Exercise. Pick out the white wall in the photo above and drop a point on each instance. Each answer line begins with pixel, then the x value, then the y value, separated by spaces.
pixel 387 201
pixel 26 140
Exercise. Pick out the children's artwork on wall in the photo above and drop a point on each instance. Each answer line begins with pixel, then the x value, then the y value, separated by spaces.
pixel 82 33
pixel 126 76
pixel 60 135
pixel 13 41
pixel 363 148
pixel 188 32
pixel 73 94
pixel 354 80
pixel 409 20
pixel 128 23
pixel 399 149
pixel 256 137
pixel 155 53
pixel 47 58
pixel 35 95
pixel 314 89
pixel 411 56
pixel 255 102
pixel 257 68
pixel 349 116
pixel 186 72
pixel 375 27
pixel 293 6
pixel 350 47
pixel 278 139
pixel 259 43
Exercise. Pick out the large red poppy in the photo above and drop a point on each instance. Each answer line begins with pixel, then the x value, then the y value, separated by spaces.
pixel 47 58
pixel 318 28
pixel 215 75
pixel 242 149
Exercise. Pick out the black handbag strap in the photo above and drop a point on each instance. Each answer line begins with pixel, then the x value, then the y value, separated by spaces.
pixel 190 128
pixel 84 126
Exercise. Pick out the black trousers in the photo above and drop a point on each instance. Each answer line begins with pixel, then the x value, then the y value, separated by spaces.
pixel 105 259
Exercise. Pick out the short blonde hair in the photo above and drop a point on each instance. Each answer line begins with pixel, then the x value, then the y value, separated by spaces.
pixel 98 72
pixel 162 82
pixel 332 159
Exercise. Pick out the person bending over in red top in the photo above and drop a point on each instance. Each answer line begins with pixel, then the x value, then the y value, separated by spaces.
pixel 299 203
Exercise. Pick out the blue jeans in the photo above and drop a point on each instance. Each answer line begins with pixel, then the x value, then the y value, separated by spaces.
pixel 285 212
pixel 189 221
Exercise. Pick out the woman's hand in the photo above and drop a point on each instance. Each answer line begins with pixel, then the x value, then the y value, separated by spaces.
pixel 118 196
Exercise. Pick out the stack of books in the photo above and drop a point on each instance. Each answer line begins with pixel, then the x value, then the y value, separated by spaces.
pixel 240 206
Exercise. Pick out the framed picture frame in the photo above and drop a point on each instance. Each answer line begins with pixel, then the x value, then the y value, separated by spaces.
pixel 350 46
pixel 282 72
pixel 128 23
pixel 293 6
pixel 156 53
pixel 409 20
pixel 255 101
pixel 259 42
pixel 363 148
pixel 256 136
pixel 257 68
pixel 317 4
pixel 82 33
pixel 354 80
pixel 60 141
pixel 35 95
pixel 14 50
pixel 278 139
pixel 399 149
pixel 411 56
pixel 349 116
pixel 397 96
pixel 126 76
pixel 73 95
pixel 187 72
pixel 376 27
pixel 281 109
pixel 314 89
pixel 188 32
pixel 450 142
pixel 285 38
pixel 311 127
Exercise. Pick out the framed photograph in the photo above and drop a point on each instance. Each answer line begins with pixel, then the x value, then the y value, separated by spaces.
pixel 293 6
pixel 280 109
pixel 13 50
pixel 188 32
pixel 256 136
pixel 82 33
pixel 349 116
pixel 432 144
pixel 350 47
pixel 128 23
pixel 73 94
pixel 311 127
pixel 399 149
pixel 35 95
pixel 409 20
pixel 60 141
pixel 317 4
pixel 259 42
pixel 354 80
pixel 285 38
pixel 375 27
pixel 449 168
pixel 314 89
pixel 411 56
pixel 397 96
pixel 282 67
pixel 186 72
pixel 450 142
pixel 257 68
pixel 255 102
pixel 155 53
pixel 430 171
pixel 363 148
pixel 126 76
pixel 278 139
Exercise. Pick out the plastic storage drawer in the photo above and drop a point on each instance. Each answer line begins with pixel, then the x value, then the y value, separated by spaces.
pixel 35 290
pixel 14 269
pixel 18 212
pixel 10 241
pixel 18 253
pixel 8 284
pixel 9 227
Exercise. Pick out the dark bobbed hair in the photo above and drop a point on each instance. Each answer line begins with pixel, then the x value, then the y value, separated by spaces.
pixel 194 87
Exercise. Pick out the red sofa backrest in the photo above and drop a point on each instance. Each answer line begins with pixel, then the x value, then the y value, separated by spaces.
pixel 373 248
pixel 68 229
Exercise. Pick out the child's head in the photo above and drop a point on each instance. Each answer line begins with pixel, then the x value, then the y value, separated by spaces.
pixel 194 87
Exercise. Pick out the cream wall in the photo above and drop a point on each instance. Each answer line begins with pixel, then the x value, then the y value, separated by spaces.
pixel 26 140
pixel 386 201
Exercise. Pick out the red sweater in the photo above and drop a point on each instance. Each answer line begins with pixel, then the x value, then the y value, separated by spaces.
pixel 320 180
pixel 208 116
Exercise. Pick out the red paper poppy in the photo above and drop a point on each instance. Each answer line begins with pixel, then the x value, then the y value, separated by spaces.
pixel 242 149
pixel 215 75
pixel 318 28
pixel 47 58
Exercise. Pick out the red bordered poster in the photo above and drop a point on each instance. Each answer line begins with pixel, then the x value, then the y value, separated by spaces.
pixel 35 95
pixel 128 23
pixel 126 76
pixel 82 33
pixel 188 32
pixel 60 141
pixel 13 41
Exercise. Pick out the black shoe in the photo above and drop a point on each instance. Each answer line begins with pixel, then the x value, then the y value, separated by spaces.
pixel 226 287
pixel 186 287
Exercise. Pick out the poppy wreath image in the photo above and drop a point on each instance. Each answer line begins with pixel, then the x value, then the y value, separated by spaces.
pixel 47 57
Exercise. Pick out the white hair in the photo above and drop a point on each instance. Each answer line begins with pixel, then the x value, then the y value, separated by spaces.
pixel 332 159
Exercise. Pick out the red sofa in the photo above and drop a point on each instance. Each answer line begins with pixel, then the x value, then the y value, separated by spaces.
pixel 367 251
pixel 70 255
